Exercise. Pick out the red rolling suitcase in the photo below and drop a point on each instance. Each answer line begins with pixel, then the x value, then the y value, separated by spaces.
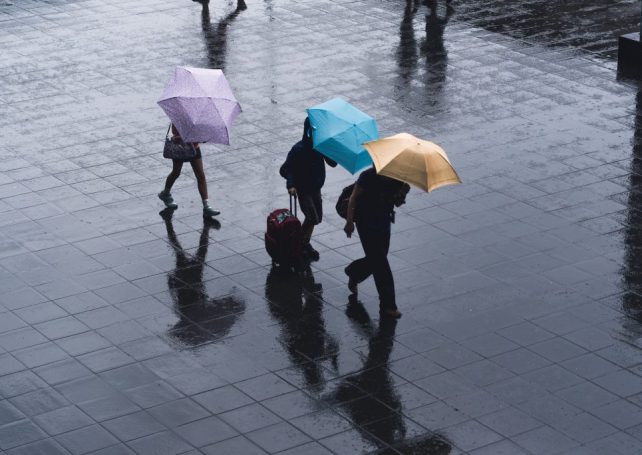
pixel 284 237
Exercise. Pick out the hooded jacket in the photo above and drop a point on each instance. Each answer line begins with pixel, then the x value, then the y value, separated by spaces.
pixel 304 167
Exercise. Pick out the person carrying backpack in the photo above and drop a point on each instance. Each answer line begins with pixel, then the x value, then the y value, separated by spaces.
pixel 371 206
pixel 304 172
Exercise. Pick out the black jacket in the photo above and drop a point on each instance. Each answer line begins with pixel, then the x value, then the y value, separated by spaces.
pixel 304 167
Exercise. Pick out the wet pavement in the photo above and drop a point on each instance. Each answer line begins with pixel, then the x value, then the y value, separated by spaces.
pixel 124 330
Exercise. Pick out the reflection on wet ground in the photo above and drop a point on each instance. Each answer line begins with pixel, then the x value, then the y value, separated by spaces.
pixel 370 397
pixel 125 332
pixel 216 36
pixel 592 26
pixel 632 270
pixel 296 303
pixel 201 319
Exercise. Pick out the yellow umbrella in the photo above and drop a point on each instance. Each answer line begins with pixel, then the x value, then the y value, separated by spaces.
pixel 420 163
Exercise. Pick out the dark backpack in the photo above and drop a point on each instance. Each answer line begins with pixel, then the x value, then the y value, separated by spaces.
pixel 398 199
pixel 342 202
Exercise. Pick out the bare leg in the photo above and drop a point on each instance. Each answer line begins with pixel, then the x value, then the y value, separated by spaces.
pixel 173 175
pixel 197 167
pixel 199 173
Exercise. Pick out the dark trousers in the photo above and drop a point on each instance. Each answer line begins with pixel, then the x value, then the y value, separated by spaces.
pixel 375 245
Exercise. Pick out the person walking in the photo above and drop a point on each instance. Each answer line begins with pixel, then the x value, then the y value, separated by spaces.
pixel 304 172
pixel 197 166
pixel 371 206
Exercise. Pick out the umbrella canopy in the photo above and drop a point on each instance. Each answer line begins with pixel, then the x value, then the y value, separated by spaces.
pixel 421 163
pixel 200 103
pixel 339 130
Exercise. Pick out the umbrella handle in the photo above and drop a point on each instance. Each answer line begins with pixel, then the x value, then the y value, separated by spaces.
pixel 293 196
pixel 168 128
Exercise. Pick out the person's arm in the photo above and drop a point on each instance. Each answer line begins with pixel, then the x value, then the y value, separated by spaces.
pixel 330 161
pixel 352 203
pixel 287 174
pixel 176 136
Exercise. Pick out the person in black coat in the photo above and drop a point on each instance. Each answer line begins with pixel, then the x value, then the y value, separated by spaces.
pixel 304 172
pixel 371 206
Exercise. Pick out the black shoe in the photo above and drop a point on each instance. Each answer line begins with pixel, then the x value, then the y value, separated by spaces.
pixel 352 284
pixel 310 252
pixel 390 313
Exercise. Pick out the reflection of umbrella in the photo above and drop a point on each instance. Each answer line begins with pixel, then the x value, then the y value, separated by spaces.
pixel 420 163
pixel 339 131
pixel 200 103
pixel 203 320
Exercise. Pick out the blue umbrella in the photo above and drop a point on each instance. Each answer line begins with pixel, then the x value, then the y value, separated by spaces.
pixel 339 130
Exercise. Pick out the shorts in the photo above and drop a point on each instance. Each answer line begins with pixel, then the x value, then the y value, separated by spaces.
pixel 311 206
pixel 189 160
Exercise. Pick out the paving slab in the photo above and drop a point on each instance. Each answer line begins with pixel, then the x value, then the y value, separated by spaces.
pixel 126 331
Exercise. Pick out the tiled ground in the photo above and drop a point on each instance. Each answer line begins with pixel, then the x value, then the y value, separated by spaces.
pixel 123 332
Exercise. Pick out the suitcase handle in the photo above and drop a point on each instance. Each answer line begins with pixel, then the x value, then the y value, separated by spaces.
pixel 293 196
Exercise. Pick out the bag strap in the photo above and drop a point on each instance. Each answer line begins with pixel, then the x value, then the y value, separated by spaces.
pixel 293 196
pixel 187 143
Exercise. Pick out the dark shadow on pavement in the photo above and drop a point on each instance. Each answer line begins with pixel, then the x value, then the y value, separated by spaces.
pixel 369 398
pixel 434 51
pixel 295 301
pixel 407 53
pixel 202 319
pixel 216 35
pixel 430 48
pixel 590 25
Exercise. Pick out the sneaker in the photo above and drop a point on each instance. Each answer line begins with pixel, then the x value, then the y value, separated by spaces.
pixel 209 211
pixel 167 198
pixel 310 252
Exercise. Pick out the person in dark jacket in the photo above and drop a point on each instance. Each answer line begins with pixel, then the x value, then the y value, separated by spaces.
pixel 372 206
pixel 304 172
